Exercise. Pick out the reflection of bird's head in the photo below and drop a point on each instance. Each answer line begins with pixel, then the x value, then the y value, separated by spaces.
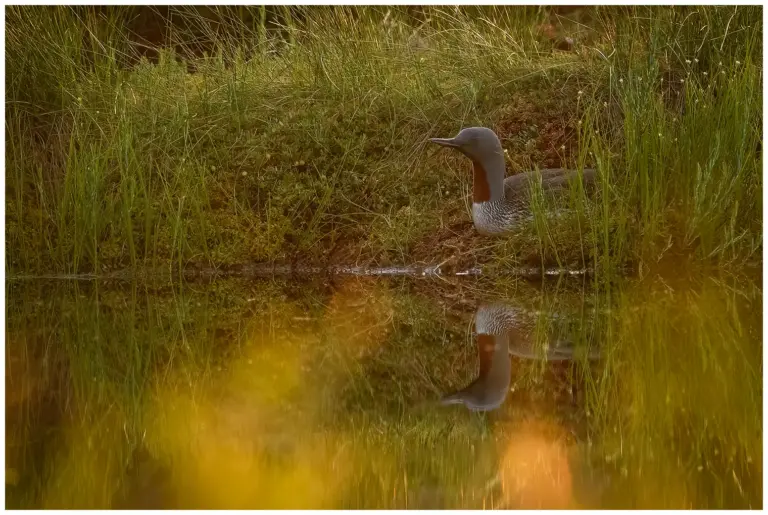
pixel 475 402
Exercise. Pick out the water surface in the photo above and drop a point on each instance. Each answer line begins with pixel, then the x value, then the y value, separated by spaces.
pixel 384 393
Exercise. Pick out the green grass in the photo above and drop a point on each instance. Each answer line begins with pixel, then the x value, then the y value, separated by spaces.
pixel 306 137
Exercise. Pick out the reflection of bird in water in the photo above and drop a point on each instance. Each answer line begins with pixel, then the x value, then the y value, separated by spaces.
pixel 503 330
pixel 489 390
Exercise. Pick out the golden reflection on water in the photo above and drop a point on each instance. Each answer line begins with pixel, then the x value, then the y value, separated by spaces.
pixel 317 400
pixel 248 439
pixel 225 456
pixel 534 468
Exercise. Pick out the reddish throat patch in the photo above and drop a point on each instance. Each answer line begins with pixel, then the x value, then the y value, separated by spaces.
pixel 486 344
pixel 481 191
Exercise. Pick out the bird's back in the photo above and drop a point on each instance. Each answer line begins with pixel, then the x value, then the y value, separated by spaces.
pixel 552 180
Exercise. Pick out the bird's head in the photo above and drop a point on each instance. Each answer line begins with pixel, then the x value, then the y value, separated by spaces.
pixel 477 143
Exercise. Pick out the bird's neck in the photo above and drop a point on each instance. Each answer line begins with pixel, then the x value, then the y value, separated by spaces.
pixel 488 179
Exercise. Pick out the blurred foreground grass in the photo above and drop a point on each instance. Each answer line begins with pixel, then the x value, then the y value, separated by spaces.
pixel 240 394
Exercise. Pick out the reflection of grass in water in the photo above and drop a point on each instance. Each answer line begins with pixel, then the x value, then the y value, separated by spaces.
pixel 102 349
pixel 129 360
pixel 89 463
pixel 123 354
pixel 244 395
pixel 680 397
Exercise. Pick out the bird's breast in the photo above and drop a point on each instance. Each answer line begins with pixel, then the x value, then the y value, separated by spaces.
pixel 495 217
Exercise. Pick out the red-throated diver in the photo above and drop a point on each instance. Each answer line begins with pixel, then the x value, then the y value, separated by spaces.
pixel 500 205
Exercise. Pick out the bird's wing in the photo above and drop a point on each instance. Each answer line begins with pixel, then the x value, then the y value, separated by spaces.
pixel 548 173
pixel 552 180
pixel 564 179
pixel 516 182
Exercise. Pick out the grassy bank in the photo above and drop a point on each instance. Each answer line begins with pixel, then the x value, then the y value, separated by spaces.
pixel 309 142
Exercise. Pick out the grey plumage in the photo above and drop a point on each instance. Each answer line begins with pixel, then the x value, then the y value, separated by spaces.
pixel 500 204
pixel 504 330
pixel 489 390
pixel 552 180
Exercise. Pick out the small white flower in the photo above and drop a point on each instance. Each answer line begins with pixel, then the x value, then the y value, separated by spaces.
pixel 621 81
pixel 687 61
pixel 640 79
pixel 605 104
pixel 562 147
pixel 580 92
pixel 738 63
pixel 244 174
pixel 722 72
pixel 421 60
pixel 705 74
pixel 506 151
pixel 659 134
pixel 682 81
pixel 579 122
pixel 695 60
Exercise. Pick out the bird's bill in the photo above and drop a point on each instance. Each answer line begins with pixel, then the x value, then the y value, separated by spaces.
pixel 445 142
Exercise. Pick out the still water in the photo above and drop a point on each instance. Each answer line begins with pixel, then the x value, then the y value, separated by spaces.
pixel 384 393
